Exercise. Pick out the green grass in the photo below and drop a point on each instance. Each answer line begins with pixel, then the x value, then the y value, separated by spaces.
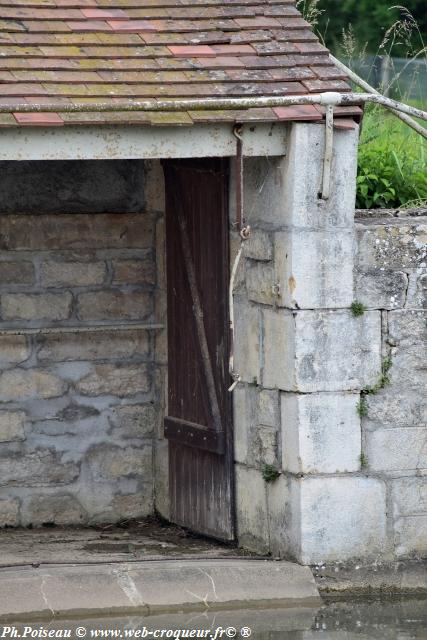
pixel 392 169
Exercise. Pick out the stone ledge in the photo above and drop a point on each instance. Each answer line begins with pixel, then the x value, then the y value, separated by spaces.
pixel 146 587
pixel 399 578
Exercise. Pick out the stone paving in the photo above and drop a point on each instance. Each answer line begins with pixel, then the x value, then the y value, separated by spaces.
pixel 133 541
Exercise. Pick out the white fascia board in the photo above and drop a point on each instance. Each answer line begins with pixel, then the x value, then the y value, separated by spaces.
pixel 139 142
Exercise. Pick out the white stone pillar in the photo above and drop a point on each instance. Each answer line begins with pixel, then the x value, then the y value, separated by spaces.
pixel 313 351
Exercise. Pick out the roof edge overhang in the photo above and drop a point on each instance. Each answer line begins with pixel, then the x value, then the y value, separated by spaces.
pixel 114 142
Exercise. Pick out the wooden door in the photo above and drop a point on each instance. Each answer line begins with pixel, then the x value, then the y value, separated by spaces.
pixel 198 424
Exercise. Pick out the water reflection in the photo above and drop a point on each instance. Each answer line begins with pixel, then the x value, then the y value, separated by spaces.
pixel 357 620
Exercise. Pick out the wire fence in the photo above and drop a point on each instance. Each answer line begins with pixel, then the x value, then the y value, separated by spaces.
pixel 400 78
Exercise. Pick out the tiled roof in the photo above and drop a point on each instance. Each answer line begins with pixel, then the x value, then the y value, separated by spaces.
pixel 114 51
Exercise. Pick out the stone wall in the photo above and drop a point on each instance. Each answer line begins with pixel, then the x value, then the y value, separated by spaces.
pixel 391 276
pixel 347 487
pixel 80 390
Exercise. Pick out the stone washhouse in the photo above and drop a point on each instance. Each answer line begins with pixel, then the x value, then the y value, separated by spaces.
pixel 119 238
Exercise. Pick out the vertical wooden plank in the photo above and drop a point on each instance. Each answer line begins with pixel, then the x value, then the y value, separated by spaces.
pixel 201 482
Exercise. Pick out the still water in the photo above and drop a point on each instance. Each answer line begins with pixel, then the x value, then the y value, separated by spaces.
pixel 356 620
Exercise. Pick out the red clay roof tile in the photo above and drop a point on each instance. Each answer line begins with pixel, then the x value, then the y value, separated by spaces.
pixel 114 51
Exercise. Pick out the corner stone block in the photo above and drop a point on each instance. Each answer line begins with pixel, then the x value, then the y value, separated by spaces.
pixel 302 179
pixel 246 340
pixel 263 192
pixel 241 423
pixel 278 357
pixel 335 351
pixel 341 518
pixel 259 246
pixel 314 269
pixel 251 510
pixel 260 282
pixel 320 433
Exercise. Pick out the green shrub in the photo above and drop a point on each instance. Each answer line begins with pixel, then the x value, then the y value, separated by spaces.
pixel 392 170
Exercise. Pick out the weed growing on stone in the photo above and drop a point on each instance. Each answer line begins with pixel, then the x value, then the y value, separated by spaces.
pixel 362 407
pixel 363 461
pixel 270 473
pixel 357 308
pixel 383 381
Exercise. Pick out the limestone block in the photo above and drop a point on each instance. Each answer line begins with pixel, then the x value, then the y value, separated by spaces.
pixel 72 274
pixel 260 282
pixel 60 509
pixel 278 349
pixel 269 408
pixel 400 245
pixel 241 423
pixel 381 289
pixel 263 192
pixel 397 449
pixel 310 351
pixel 302 174
pixel 114 305
pixel 139 505
pixel 397 406
pixel 93 346
pixel 251 510
pixel 314 269
pixel 417 289
pixel 265 446
pixel 283 505
pixel 23 384
pixel 409 496
pixel 259 246
pixel 161 478
pixel 76 231
pixel 107 462
pixel 160 253
pixel 134 271
pixel 40 468
pixel 13 350
pixel 36 306
pixel 407 327
pixel 410 536
pixel 154 186
pixel 12 426
pixel 335 351
pixel 16 273
pixel 341 518
pixel 246 340
pixel 321 433
pixel 115 379
pixel 134 420
pixel 9 512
